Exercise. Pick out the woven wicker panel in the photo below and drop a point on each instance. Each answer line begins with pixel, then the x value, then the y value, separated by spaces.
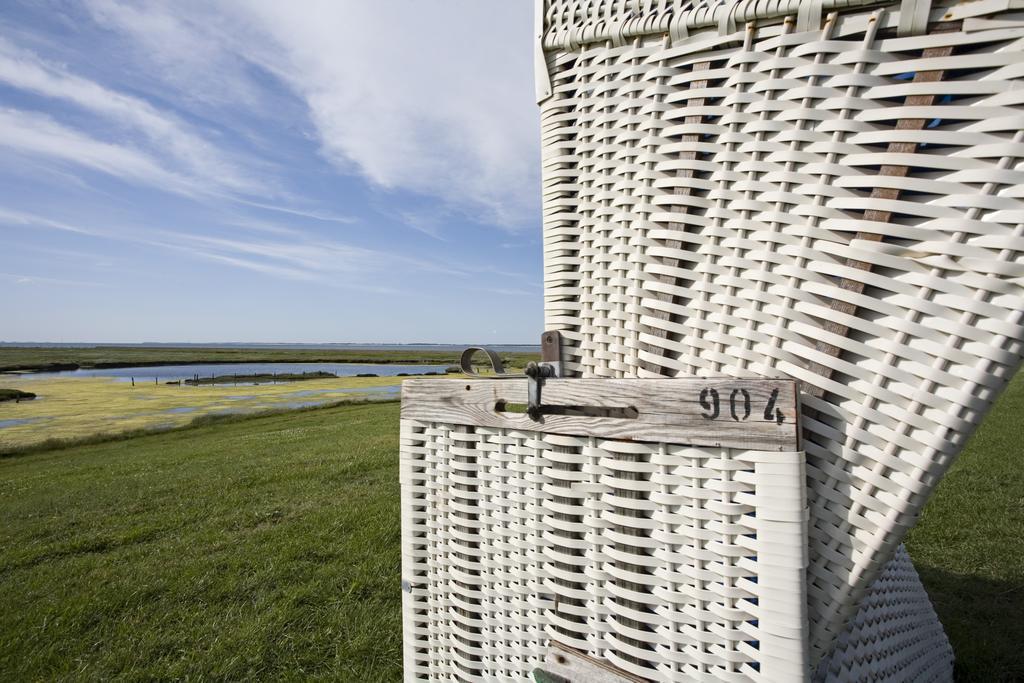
pixel 674 563
pixel 841 205
pixel 896 636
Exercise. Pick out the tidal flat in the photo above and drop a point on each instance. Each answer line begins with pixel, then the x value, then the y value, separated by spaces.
pixel 69 409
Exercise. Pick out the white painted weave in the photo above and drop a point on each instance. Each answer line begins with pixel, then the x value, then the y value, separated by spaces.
pixel 674 563
pixel 709 184
pixel 896 635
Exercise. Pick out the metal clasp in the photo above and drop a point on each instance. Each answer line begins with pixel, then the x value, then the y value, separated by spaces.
pixel 550 365
pixel 535 374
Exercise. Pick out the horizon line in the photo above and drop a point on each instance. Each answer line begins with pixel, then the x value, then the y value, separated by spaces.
pixel 241 343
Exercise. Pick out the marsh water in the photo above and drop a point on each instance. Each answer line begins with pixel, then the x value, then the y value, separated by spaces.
pixel 170 373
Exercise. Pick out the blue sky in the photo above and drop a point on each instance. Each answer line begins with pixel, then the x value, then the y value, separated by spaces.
pixel 256 170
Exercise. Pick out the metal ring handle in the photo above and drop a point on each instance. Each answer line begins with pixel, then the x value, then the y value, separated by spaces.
pixel 496 364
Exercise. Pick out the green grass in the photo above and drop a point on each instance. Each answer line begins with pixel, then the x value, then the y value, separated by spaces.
pixel 15 395
pixel 273 378
pixel 969 547
pixel 265 548
pixel 269 548
pixel 31 358
pixel 263 378
pixel 202 420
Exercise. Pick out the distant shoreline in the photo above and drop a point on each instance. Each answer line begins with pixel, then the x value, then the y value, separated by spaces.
pixel 326 346
pixel 32 359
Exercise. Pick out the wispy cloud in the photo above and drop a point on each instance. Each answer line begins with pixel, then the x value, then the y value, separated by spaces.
pixel 424 222
pixel 293 256
pixel 255 225
pixel 459 126
pixel 154 146
pixel 274 270
pixel 323 216
pixel 20 279
pixel 38 134
pixel 24 70
pixel 315 258
pixel 173 39
pixel 22 219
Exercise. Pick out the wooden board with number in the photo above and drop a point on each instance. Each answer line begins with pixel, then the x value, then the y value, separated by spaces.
pixel 759 414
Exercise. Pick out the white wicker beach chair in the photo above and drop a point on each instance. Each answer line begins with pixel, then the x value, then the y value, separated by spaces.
pixel 829 191
pixel 825 190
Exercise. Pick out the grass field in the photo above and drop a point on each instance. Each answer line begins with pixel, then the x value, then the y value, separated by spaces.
pixel 969 547
pixel 269 548
pixel 31 358
pixel 265 548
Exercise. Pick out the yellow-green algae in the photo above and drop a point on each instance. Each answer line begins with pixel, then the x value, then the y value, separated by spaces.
pixel 75 407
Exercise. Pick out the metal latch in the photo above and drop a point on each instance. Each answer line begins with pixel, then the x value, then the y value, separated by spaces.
pixel 550 365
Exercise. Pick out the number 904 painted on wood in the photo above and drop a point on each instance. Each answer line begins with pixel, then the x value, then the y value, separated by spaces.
pixel 727 412
pixel 740 405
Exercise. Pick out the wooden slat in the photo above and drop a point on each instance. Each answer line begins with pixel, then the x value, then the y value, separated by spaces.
pixel 886 193
pixel 563 664
pixel 667 410
pixel 663 349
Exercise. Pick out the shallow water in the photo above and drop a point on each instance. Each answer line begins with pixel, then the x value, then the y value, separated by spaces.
pixel 170 373
pixel 297 404
pixel 354 390
pixel 12 423
pixel 502 348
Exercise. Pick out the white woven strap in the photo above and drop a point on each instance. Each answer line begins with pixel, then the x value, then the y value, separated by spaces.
pixel 583 22
pixel 914 17
pixel 808 17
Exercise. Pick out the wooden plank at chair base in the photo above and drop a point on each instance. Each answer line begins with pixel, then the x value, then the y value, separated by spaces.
pixel 563 664
pixel 722 412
